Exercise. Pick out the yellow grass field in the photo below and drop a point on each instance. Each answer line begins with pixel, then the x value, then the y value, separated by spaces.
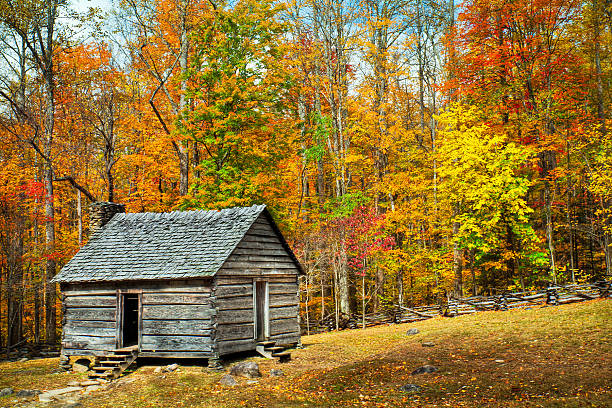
pixel 546 357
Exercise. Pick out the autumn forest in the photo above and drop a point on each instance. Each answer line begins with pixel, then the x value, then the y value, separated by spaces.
pixel 410 150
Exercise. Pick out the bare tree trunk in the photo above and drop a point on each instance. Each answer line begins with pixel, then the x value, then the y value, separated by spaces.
pixel 400 287
pixel 549 230
pixel 79 216
pixel 183 147
pixel 14 292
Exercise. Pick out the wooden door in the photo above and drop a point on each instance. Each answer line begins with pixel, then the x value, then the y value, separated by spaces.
pixel 261 311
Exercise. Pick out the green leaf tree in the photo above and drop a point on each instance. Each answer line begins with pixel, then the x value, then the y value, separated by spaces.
pixel 237 88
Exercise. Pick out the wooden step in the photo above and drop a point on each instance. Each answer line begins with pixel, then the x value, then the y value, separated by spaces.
pixel 275 349
pixel 117 358
pixel 100 368
pixel 282 357
pixel 107 362
pixel 109 375
pixel 129 349
pixel 266 344
pixel 112 365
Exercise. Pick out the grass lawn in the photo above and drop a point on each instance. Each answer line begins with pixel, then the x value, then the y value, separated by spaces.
pixel 546 357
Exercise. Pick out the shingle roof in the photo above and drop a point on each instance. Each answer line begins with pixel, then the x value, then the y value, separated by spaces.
pixel 152 246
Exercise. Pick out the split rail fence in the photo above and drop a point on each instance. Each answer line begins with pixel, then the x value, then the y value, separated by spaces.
pixel 553 295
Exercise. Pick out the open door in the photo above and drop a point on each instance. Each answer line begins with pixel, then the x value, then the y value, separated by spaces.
pixel 130 319
pixel 262 326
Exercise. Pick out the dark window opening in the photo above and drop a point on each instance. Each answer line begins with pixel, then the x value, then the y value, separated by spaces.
pixel 130 320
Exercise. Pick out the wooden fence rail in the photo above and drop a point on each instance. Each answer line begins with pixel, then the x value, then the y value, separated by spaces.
pixel 553 295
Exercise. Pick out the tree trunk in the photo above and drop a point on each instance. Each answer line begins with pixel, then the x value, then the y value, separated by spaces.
pixel 457 261
pixel 50 267
pixel 14 291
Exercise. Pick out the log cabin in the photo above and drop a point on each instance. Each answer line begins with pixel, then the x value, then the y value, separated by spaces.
pixel 195 284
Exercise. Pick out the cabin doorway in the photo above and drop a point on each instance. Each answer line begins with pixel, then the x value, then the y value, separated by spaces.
pixel 261 311
pixel 129 329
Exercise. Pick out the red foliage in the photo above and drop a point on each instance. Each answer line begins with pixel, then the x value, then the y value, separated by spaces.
pixel 365 237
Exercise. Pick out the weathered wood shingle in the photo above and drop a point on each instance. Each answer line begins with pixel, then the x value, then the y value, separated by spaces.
pixel 152 246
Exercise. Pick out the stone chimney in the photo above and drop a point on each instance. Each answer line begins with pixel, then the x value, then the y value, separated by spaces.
pixel 101 212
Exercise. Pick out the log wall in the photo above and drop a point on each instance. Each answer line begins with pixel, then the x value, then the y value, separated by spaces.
pixel 259 256
pixel 176 318
pixel 178 321
pixel 89 322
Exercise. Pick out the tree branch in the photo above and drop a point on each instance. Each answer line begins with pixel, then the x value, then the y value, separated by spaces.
pixel 76 185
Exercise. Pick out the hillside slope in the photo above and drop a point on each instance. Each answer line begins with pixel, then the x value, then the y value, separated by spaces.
pixel 544 357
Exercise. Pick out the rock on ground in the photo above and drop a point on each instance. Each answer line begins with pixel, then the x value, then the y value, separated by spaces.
pixel 412 388
pixel 428 344
pixel 56 394
pixel 170 368
pixel 6 391
pixel 228 380
pixel 81 366
pixel 412 331
pixel 424 370
pixel 276 373
pixel 27 393
pixel 248 369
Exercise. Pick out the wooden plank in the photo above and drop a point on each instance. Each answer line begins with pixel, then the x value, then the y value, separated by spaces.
pixel 187 327
pixel 175 298
pixel 283 300
pixel 90 301
pixel 285 338
pixel 94 324
pixel 232 280
pixel 251 273
pixel 283 312
pixel 77 330
pixel 283 288
pixel 233 290
pixel 260 258
pixel 262 220
pixel 259 265
pixel 234 346
pixel 260 231
pixel 198 290
pixel 291 278
pixel 257 238
pixel 260 245
pixel 194 285
pixel 86 352
pixel 279 251
pixel 90 292
pixel 177 343
pixel 88 342
pixel 235 331
pixel 165 312
pixel 92 313
pixel 176 354
pixel 284 326
pixel 234 303
pixel 235 316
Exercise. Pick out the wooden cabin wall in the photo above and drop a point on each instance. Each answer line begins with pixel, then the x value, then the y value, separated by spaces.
pixel 235 325
pixel 260 255
pixel 177 318
pixel 89 322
